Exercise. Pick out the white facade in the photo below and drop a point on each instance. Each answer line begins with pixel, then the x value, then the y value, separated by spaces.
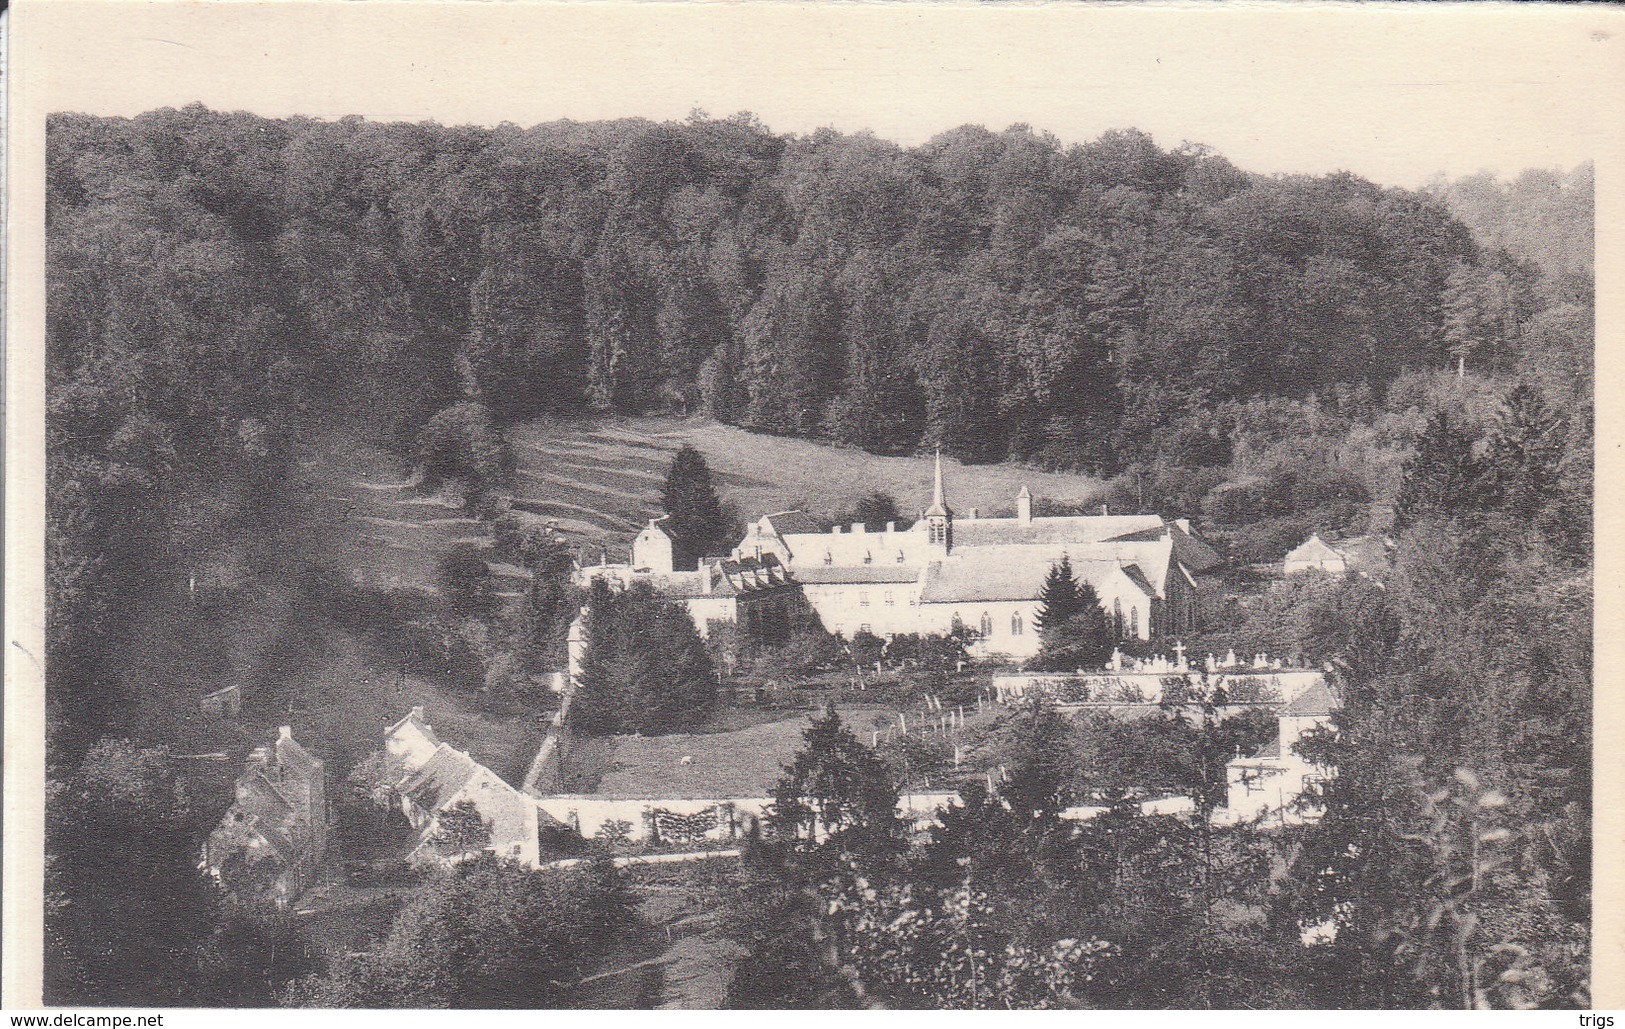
pixel 1274 787
pixel 985 573
pixel 1315 555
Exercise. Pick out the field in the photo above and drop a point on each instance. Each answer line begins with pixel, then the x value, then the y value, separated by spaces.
pixel 601 480
pixel 743 762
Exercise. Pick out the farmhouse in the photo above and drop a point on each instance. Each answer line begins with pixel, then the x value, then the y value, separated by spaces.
pixel 1273 786
pixel 984 574
pixel 1362 554
pixel 436 777
pixel 271 842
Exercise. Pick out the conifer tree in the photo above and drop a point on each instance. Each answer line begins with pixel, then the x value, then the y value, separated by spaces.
pixel 1060 598
pixel 697 526
pixel 1443 478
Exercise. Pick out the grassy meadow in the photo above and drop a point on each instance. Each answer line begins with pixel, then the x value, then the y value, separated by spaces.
pixel 601 480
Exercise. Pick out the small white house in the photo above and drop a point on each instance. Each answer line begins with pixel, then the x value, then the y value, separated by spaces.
pixel 1315 554
pixel 1270 786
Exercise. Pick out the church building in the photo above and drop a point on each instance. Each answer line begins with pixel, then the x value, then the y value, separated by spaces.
pixel 984 574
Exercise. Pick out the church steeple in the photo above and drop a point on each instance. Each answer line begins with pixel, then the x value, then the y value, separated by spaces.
pixel 939 518
pixel 939 506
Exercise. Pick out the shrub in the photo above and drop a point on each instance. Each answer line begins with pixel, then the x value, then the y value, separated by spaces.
pixel 462 444
pixel 465 579
pixel 646 669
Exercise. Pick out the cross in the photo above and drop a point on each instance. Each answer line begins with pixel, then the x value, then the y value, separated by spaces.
pixel 1179 652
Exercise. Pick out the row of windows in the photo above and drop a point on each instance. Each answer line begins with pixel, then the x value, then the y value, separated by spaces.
pixel 1017 624
pixel 868 557
pixel 888 598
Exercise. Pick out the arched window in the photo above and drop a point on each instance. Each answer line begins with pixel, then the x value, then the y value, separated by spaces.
pixel 828 558
pixel 987 624
pixel 899 557
pixel 938 533
pixel 868 557
pixel 889 599
pixel 1015 623
pixel 863 600
pixel 1134 622
pixel 1117 617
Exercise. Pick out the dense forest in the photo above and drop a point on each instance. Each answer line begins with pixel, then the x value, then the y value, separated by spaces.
pixel 1269 355
pixel 1110 306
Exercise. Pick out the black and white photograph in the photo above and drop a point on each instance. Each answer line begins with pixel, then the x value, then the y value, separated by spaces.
pixel 779 506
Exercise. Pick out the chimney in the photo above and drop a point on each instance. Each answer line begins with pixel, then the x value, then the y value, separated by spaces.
pixel 284 732
pixel 891 526
pixel 835 530
pixel 1024 506
pixel 1103 512
pixel 859 528
pixel 417 712
pixel 973 512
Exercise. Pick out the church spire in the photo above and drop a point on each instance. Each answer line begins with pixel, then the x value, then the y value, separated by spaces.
pixel 939 520
pixel 939 505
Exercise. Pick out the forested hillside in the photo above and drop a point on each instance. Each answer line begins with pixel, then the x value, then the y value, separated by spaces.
pixel 998 293
pixel 1110 307
pixel 1268 355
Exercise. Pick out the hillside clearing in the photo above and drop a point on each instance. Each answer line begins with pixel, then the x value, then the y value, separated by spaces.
pixel 606 476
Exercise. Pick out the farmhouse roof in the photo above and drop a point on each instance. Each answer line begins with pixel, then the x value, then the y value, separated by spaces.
pixel 1315 702
pixel 294 758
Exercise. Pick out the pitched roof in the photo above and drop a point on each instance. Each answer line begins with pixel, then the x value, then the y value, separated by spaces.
pixel 1313 549
pixel 850 548
pixel 880 572
pixel 1315 702
pixel 1193 551
pixel 442 777
pixel 415 717
pixel 295 758
pixel 1014 573
pixel 991 532
pixel 1138 578
pixel 749 574
pixel 259 798
pixel 786 522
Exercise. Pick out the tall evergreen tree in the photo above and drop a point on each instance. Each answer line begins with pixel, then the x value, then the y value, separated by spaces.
pixel 697 526
pixel 1444 477
pixel 837 796
pixel 1060 598
pixel 646 669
